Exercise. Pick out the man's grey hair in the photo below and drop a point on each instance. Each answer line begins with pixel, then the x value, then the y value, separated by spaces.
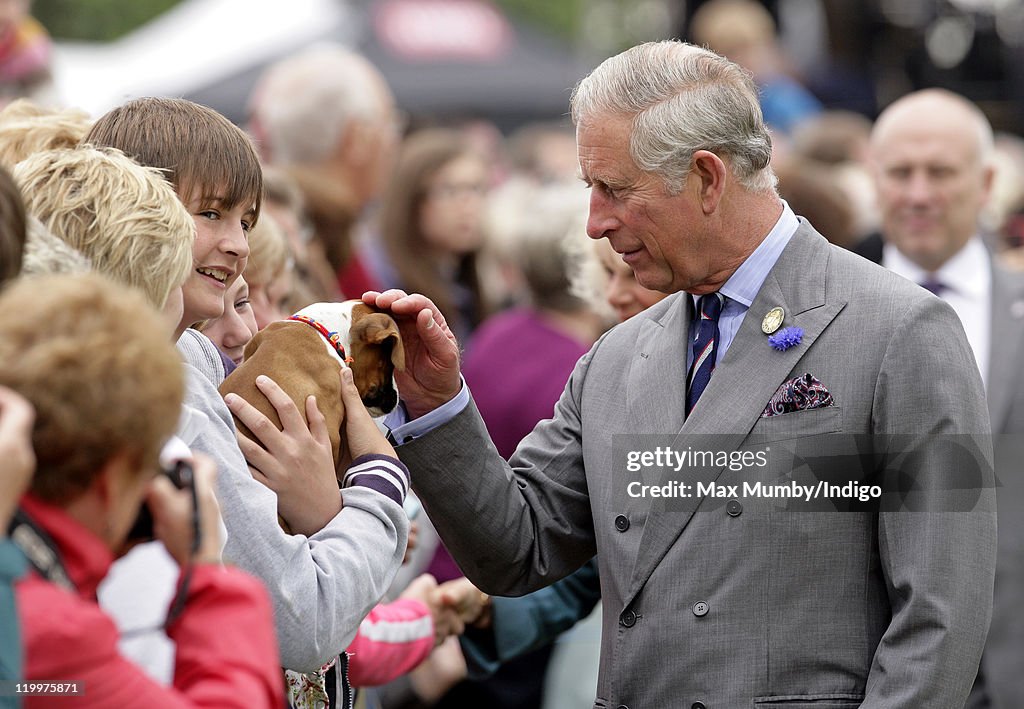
pixel 681 99
pixel 302 104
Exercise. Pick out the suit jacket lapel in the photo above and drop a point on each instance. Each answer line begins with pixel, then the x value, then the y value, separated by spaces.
pixel 744 381
pixel 1006 342
pixel 660 356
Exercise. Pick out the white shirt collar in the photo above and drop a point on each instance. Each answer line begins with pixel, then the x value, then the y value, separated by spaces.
pixel 747 280
pixel 967 272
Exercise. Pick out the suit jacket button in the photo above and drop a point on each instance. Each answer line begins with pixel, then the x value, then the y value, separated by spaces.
pixel 698 705
pixel 734 508
pixel 628 618
pixel 700 608
pixel 622 523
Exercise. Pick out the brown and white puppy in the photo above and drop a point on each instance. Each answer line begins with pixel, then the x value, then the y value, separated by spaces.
pixel 301 358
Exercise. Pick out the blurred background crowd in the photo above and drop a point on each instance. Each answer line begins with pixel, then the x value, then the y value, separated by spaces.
pixel 424 145
pixel 495 70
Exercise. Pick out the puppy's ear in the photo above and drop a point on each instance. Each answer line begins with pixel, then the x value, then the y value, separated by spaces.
pixel 397 349
pixel 381 330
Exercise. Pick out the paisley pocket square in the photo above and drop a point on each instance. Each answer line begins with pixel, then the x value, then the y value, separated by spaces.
pixel 801 393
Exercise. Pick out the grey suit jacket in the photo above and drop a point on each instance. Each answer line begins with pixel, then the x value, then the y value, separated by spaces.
pixel 1001 680
pixel 754 605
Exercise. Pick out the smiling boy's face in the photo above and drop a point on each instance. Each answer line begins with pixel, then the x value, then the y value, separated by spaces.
pixel 219 255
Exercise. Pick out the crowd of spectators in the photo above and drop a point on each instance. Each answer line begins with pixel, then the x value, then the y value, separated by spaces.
pixel 140 252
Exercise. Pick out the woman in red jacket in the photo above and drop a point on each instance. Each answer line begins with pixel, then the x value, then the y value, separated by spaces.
pixel 95 361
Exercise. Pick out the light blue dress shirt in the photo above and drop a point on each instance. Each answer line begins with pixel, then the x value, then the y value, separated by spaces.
pixel 743 285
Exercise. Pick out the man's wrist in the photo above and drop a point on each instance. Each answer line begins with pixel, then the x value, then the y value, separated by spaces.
pixel 410 429
pixel 415 412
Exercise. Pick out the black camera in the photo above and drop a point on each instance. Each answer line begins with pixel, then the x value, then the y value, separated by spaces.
pixel 180 473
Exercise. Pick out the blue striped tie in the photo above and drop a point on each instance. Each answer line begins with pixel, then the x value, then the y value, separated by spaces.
pixel 704 347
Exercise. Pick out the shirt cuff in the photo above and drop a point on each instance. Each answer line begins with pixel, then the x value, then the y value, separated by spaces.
pixel 409 430
pixel 382 473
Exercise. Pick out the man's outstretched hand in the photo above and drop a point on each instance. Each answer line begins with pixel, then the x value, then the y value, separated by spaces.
pixel 431 376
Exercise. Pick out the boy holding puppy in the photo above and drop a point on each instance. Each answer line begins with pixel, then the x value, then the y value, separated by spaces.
pixel 322 585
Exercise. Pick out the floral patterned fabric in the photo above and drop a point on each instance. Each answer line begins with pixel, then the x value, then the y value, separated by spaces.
pixel 308 690
pixel 798 394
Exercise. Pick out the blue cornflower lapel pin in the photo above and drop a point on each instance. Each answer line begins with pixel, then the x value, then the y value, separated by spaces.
pixel 786 337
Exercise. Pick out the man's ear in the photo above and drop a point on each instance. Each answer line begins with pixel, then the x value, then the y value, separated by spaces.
pixel 988 176
pixel 711 173
pixel 357 143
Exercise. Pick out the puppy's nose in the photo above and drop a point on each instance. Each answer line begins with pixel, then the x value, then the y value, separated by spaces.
pixel 381 397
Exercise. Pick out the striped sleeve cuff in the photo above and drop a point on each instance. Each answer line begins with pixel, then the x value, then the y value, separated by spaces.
pixel 382 473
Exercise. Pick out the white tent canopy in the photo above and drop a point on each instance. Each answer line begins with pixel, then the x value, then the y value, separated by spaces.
pixel 196 43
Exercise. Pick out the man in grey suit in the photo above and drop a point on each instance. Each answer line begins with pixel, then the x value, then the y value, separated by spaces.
pixel 740 600
pixel 931 154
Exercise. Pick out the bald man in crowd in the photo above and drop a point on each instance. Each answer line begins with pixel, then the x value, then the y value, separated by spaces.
pixel 327 117
pixel 931 156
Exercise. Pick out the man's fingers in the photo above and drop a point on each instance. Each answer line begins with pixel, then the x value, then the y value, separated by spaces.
pixel 386 299
pixel 404 304
pixel 434 332
pixel 428 326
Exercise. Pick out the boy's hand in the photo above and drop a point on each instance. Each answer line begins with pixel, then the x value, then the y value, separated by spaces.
pixel 363 436
pixel 431 375
pixel 17 459
pixel 297 463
